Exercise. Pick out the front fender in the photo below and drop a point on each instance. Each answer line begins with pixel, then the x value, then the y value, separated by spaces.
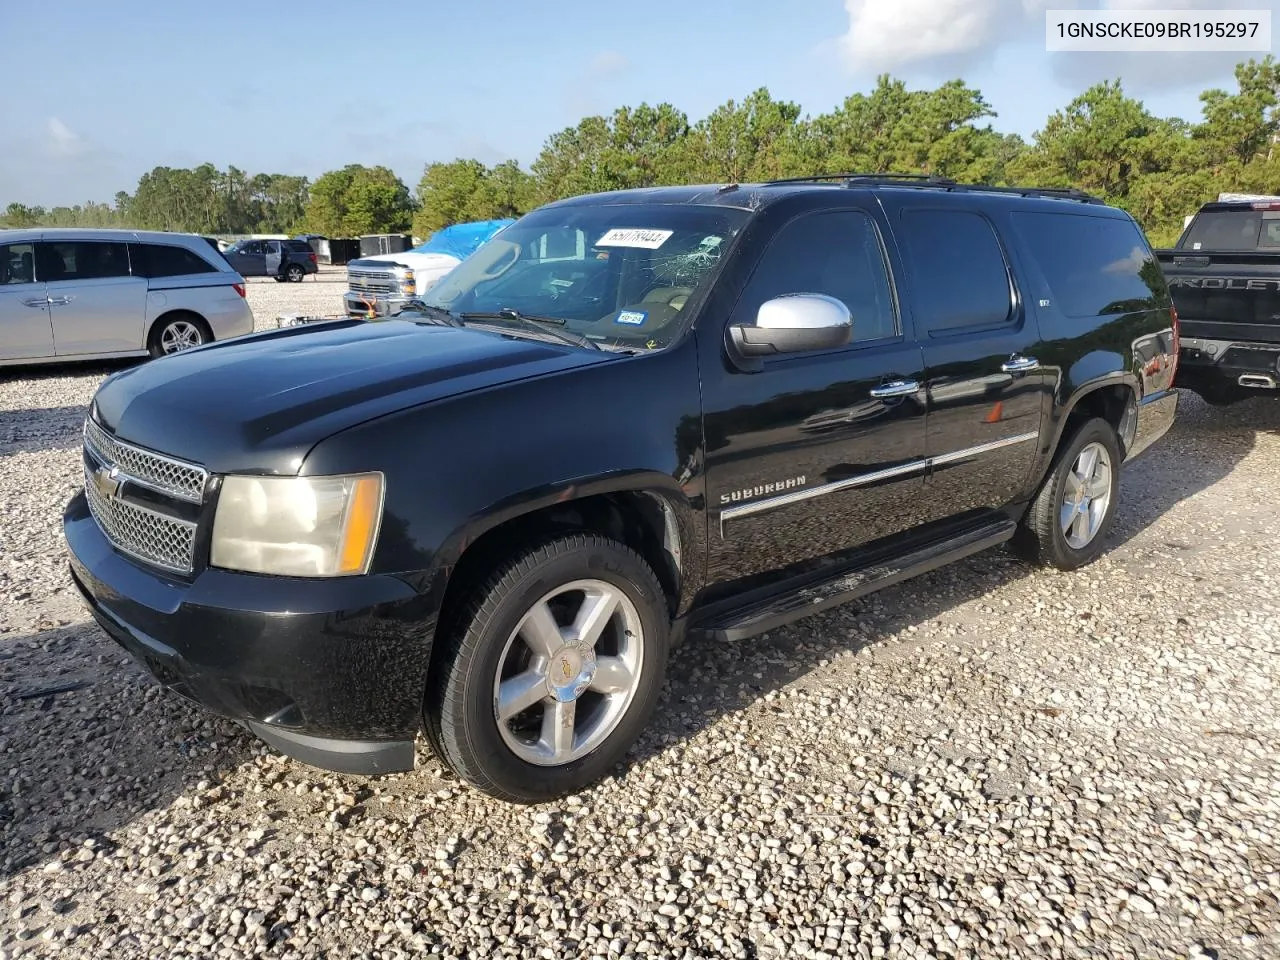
pixel 458 468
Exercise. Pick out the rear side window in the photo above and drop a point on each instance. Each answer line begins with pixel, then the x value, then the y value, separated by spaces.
pixel 166 260
pixel 17 263
pixel 1094 265
pixel 835 253
pixel 298 246
pixel 959 275
pixel 81 260
pixel 1224 230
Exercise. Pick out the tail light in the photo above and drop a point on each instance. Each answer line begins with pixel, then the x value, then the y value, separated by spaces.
pixel 1177 342
pixel 312 257
pixel 238 288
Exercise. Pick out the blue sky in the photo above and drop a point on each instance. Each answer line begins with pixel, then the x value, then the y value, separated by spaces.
pixel 99 91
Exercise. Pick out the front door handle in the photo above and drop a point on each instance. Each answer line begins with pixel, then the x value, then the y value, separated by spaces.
pixel 61 300
pixel 1018 364
pixel 41 302
pixel 895 388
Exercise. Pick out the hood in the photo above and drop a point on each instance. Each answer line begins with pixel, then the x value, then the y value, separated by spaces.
pixel 258 404
pixel 407 258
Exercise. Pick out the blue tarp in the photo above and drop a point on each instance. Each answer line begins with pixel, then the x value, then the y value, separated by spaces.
pixel 462 239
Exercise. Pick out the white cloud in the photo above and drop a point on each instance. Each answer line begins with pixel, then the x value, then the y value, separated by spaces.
pixel 887 34
pixel 63 141
pixel 951 35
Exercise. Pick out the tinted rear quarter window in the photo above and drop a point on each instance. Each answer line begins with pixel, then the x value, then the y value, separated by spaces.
pixel 1094 266
pixel 167 260
pixel 959 275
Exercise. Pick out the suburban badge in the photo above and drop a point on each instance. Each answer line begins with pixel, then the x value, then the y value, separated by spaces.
pixel 750 493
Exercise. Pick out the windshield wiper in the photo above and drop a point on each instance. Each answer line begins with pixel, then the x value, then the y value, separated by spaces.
pixel 440 313
pixel 540 324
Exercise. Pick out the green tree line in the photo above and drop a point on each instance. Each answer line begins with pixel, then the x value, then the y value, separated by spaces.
pixel 1104 142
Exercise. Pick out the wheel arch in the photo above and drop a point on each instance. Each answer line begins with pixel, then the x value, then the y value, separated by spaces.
pixel 648 513
pixel 173 314
pixel 1113 397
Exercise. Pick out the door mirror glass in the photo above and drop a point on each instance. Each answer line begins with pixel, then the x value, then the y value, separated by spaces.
pixel 794 323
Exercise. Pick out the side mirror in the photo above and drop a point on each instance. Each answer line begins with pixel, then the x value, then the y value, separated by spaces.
pixel 794 323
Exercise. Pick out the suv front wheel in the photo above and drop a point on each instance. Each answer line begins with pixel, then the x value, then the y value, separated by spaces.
pixel 1067 523
pixel 552 670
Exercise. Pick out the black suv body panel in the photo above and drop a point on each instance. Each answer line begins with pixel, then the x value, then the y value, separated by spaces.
pixel 759 491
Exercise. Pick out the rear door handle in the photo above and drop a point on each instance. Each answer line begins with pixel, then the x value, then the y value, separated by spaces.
pixel 1016 364
pixel 34 302
pixel 895 388
pixel 61 300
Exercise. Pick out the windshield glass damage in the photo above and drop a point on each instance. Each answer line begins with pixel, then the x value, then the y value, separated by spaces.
pixel 620 276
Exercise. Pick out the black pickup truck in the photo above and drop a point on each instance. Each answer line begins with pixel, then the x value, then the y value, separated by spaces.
pixel 628 418
pixel 1224 275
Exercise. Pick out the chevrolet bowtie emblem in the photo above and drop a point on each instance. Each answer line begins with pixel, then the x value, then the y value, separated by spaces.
pixel 107 482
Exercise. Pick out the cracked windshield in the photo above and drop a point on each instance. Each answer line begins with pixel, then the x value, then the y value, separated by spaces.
pixel 622 277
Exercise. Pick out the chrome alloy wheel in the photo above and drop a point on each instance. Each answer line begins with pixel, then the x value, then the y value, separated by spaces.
pixel 180 335
pixel 1086 496
pixel 568 673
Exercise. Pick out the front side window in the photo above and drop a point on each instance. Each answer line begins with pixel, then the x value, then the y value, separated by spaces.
pixel 958 271
pixel 17 263
pixel 836 253
pixel 619 275
pixel 81 260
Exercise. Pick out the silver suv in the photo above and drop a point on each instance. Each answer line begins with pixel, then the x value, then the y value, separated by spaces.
pixel 71 294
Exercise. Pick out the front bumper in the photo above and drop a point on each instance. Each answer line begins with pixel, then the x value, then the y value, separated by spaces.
pixel 384 304
pixel 331 672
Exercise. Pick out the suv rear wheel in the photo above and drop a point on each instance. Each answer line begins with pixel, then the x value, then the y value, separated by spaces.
pixel 295 273
pixel 1067 523
pixel 552 671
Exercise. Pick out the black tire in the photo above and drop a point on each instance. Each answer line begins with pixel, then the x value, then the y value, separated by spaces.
pixel 459 709
pixel 1040 537
pixel 168 326
pixel 295 273
pixel 278 278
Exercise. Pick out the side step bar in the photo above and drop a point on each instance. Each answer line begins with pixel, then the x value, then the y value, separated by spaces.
pixel 854 582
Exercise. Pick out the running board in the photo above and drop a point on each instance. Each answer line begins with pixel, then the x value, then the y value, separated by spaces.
pixel 854 582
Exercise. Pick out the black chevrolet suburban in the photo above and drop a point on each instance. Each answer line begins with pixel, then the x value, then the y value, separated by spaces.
pixel 629 418
pixel 1224 275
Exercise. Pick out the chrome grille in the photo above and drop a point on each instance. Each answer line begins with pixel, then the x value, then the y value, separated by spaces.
pixel 163 474
pixel 371 281
pixel 146 534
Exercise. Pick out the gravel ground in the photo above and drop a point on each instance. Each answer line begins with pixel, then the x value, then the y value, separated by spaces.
pixel 989 761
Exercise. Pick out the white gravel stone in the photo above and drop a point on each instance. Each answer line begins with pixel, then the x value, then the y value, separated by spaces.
pixel 989 761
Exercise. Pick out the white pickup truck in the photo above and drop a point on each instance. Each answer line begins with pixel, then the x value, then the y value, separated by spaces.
pixel 379 286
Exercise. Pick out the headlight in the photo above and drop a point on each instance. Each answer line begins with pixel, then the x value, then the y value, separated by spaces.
pixel 408 283
pixel 297 526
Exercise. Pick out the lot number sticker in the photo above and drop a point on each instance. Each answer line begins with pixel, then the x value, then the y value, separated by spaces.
pixel 634 237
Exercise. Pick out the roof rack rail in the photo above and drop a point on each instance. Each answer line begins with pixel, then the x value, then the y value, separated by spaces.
pixel 819 177
pixel 926 180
